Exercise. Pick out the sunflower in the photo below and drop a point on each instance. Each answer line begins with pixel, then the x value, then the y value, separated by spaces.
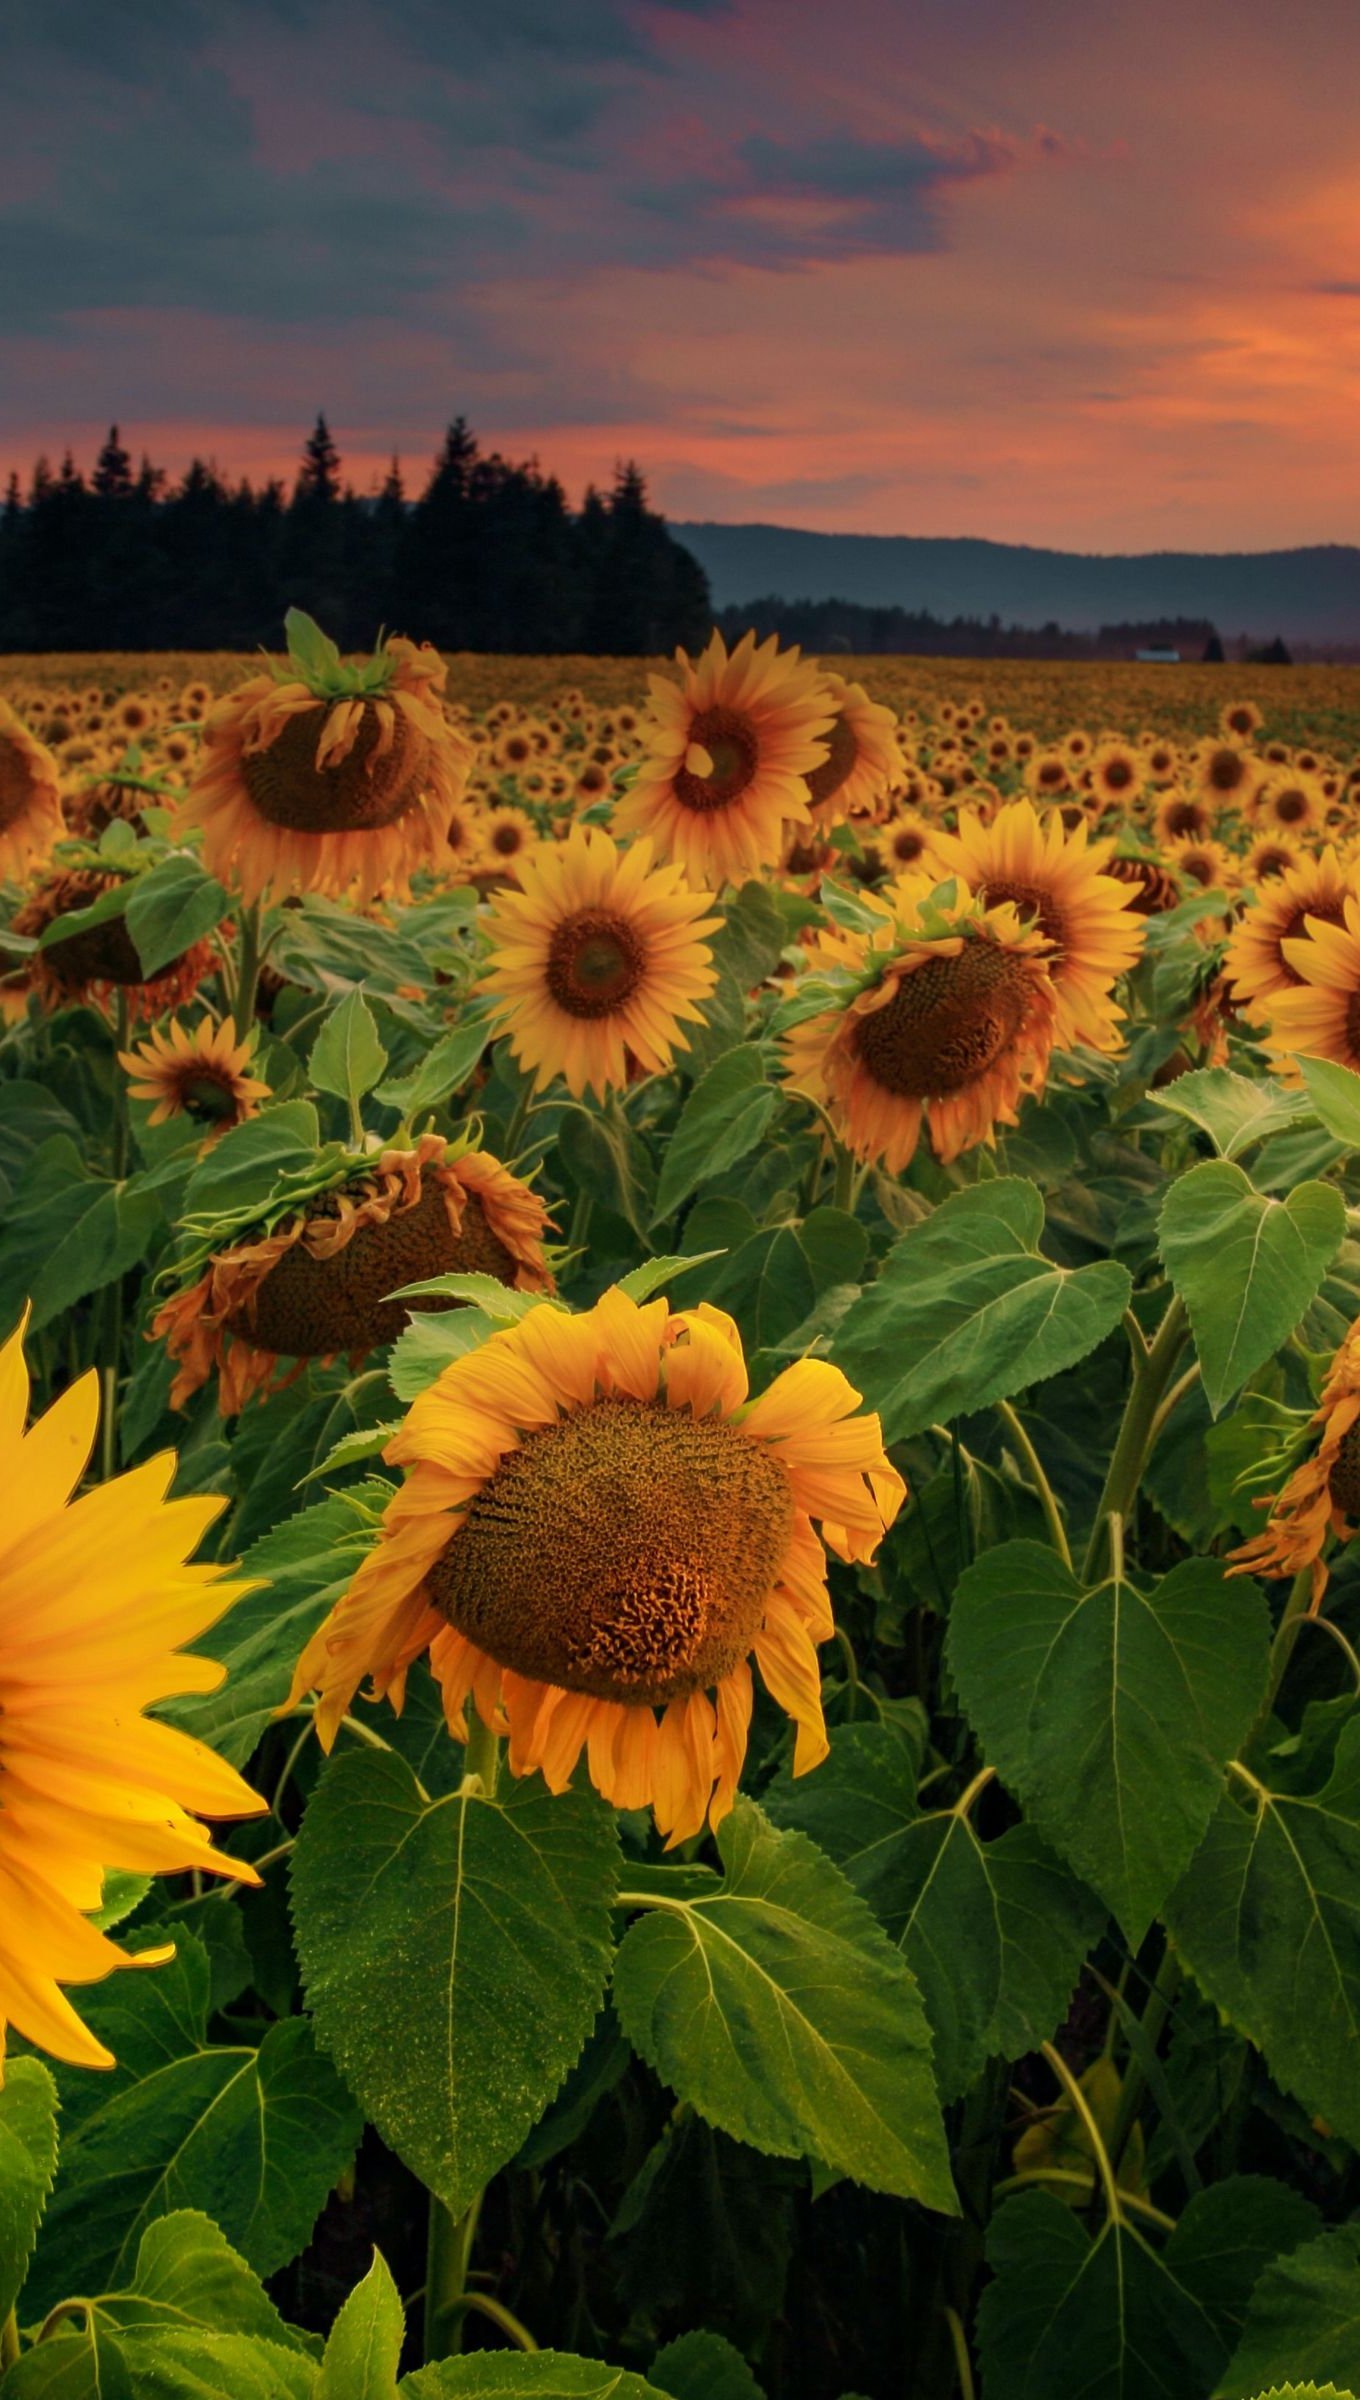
pixel 1055 876
pixel 30 798
pixel 862 756
pixel 1115 774
pixel 1047 775
pixel 326 778
pixel 598 956
pixel 1182 816
pixel 599 1525
pixel 1322 1495
pixel 508 839
pixel 728 751
pixel 908 841
pixel 202 1075
pixel 1318 1015
pixel 1239 720
pixel 96 1601
pixel 97 962
pixel 1290 804
pixel 1271 854
pixel 951 1017
pixel 1203 861
pixel 316 1281
pixel 1256 963
pixel 1225 776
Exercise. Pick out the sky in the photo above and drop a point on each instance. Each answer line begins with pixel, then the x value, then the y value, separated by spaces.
pixel 1040 270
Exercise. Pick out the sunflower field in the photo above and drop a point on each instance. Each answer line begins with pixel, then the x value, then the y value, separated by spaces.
pixel 680 1436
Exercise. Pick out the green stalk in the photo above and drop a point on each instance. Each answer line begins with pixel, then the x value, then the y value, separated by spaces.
pixel 843 1193
pixel 248 971
pixel 449 2246
pixel 1033 1465
pixel 1152 1372
pixel 113 1323
pixel 9 2340
pixel 1159 2005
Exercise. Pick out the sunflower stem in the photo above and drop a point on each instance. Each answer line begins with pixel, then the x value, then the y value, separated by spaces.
pixel 843 1192
pixel 113 1323
pixel 1152 1373
pixel 9 2340
pixel 1033 1465
pixel 1082 2109
pixel 247 971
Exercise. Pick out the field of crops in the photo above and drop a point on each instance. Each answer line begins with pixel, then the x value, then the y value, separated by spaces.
pixel 680 1577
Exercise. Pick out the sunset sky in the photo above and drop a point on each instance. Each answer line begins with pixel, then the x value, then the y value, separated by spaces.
pixel 1034 269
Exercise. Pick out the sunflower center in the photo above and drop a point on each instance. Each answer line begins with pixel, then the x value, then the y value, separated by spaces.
pixel 1344 1481
pixel 907 844
pixel 358 794
pixel 1183 816
pixel 946 1023
pixel 309 1307
pixel 1118 775
pixel 730 741
pixel 596 960
pixel 1290 807
pixel 838 765
pixel 1227 769
pixel 16 784
pixel 507 839
pixel 1034 901
pixel 627 1551
pixel 204 1094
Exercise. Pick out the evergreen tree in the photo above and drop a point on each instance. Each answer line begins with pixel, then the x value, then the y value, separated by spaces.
pixel 112 479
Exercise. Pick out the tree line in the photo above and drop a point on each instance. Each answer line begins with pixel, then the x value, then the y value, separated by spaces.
pixel 489 557
pixel 827 626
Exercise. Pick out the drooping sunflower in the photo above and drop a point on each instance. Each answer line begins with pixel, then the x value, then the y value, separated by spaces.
pixel 203 1075
pixel 1058 879
pixel 30 799
pixel 319 777
pixel 597 956
pixel 100 961
pixel 950 1018
pixel 1318 1016
pixel 1322 1495
pixel 96 1603
pixel 862 756
pixel 727 754
pixel 597 1525
pixel 1257 962
pixel 314 1280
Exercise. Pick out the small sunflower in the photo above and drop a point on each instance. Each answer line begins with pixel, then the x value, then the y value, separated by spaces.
pixel 96 1603
pixel 597 1525
pixel 1291 804
pixel 30 799
pixel 1271 854
pixel 1115 774
pixel 1318 1016
pixel 1225 776
pixel 1257 964
pixel 203 1075
pixel 1047 775
pixel 1184 816
pixel 508 839
pixel 728 751
pixel 1239 720
pixel 97 962
pixel 319 777
pixel 598 956
pixel 1322 1495
pixel 950 1018
pixel 315 1280
pixel 1203 861
pixel 1057 878
pixel 862 756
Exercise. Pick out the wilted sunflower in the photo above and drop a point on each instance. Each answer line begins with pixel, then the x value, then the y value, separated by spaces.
pixel 1318 1016
pixel 99 961
pixel 1322 1495
pixel 96 1601
pixel 862 756
pixel 203 1075
pixel 30 799
pixel 599 955
pixel 315 1280
pixel 1257 964
pixel 950 1019
pixel 1059 880
pixel 728 753
pixel 319 777
pixel 596 1525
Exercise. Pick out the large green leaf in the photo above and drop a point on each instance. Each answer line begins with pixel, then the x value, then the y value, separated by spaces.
pixel 171 907
pixel 1110 1712
pixel 347 1056
pixel 1267 1919
pixel 544 2375
pixel 1246 1267
pixel 703 2366
pixel 1334 1091
pixel 967 1310
pixel 1303 2319
pixel 242 1168
pixel 68 1233
pixel 723 1118
pixel 255 2138
pixel 363 2351
pixel 780 2010
pixel 443 1071
pixel 476 1929
pixel 995 1933
pixel 28 2160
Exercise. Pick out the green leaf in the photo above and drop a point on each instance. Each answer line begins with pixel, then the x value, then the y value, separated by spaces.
pixel 658 1274
pixel 542 2375
pixel 109 906
pixel 967 1311
pixel 1246 1267
pixel 1267 1919
pixel 1232 1109
pixel 1303 2320
pixel 430 1343
pixel 364 2349
pixel 442 1072
pixel 604 1155
pixel 187 2273
pixel 255 2138
pixel 28 2162
pixel 171 907
pixel 1335 1093
pixel 705 2229
pixel 242 1168
pixel 309 648
pixel 835 1245
pixel 347 1056
pixel 752 935
pixel 703 2366
pixel 722 1120
pixel 1228 2235
pixel 1111 1712
pixel 780 2010
pixel 497 1912
pixel 1107 2318
pixel 68 1233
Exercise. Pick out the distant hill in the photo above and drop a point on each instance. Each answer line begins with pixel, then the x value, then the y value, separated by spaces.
pixel 1308 595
